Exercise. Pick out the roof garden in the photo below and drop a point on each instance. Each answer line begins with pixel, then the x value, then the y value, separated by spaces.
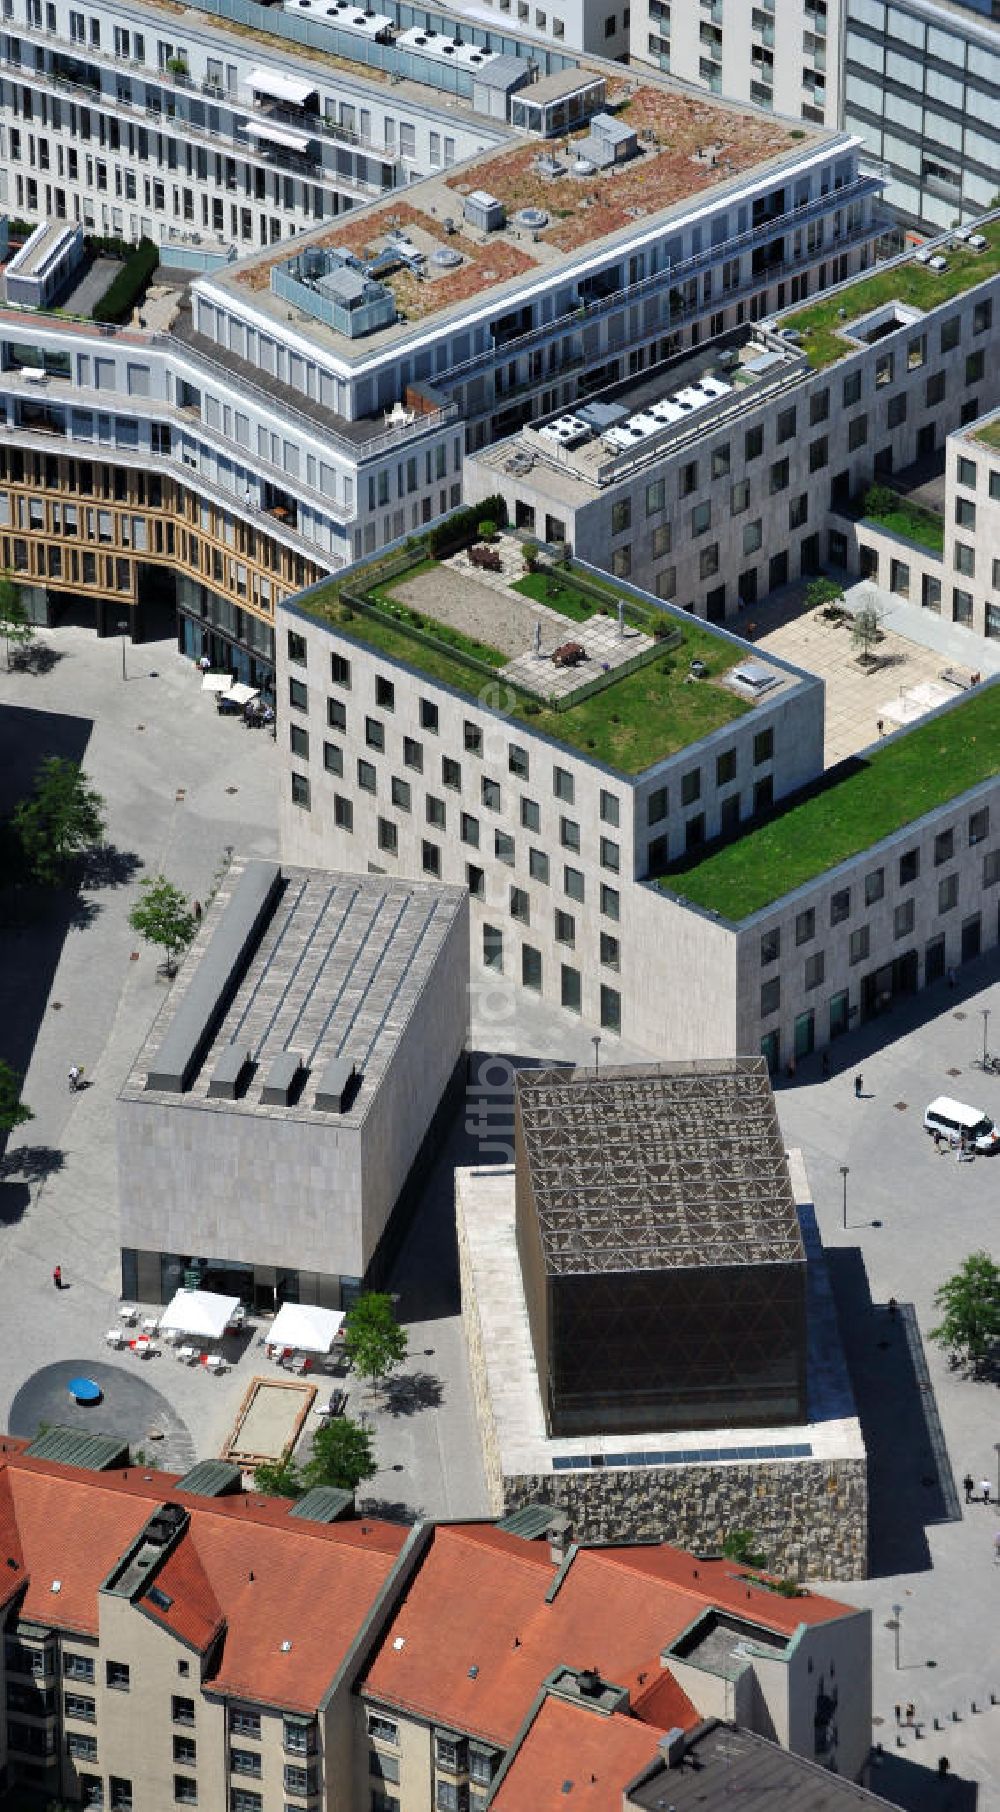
pixel 627 718
pixel 989 434
pixel 825 326
pixel 853 809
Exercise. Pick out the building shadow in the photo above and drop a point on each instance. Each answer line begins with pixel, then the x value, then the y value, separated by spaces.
pixel 911 1483
pixel 918 1787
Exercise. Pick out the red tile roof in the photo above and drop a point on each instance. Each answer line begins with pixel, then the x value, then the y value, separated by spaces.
pixel 242 1566
pixel 573 1760
pixel 481 1673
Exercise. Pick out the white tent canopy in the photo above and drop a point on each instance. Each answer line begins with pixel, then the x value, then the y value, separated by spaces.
pixel 307 1329
pixel 281 85
pixel 200 1312
pixel 278 135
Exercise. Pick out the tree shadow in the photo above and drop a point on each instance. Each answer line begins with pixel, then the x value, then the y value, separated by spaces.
pixel 108 866
pixel 411 1392
pixel 81 912
pixel 36 658
pixel 390 1510
pixel 33 1163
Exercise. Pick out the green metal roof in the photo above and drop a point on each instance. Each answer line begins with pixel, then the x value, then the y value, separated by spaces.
pixel 323 1505
pixel 68 1447
pixel 531 1521
pixel 211 1478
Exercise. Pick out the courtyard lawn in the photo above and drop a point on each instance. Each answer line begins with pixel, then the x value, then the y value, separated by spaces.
pixel 557 590
pixel 925 768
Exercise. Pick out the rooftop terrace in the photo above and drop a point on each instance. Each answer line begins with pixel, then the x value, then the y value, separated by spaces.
pixel 858 805
pixel 685 146
pixel 452 624
pixel 826 327
pixel 988 433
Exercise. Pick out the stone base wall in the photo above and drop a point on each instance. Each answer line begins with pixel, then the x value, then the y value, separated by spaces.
pixel 809 1517
pixel 478 1373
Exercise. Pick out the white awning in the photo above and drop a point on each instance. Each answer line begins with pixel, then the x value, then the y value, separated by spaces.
pixel 216 682
pixel 201 1312
pixel 282 87
pixel 240 694
pixel 306 1329
pixel 278 135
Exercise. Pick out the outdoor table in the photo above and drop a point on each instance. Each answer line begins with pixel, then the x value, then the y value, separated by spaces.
pixel 129 1314
pixel 84 1390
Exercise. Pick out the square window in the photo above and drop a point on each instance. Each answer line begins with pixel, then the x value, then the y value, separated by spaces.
pixel 656 496
pixel 520 905
pixel 611 1009
pixel 571 988
pixel 979 825
pixel 966 473
pixel 785 428
pixel 475 880
pixel 366 776
pixel 610 951
pixel 657 805
pixel 621 561
pixel 770 997
pixel 902 919
pixel 340 671
pixel 721 461
pixel 429 715
pixel 469 829
pixel 753 535
pixel 296 648
pixel 944 847
pixel 503 847
pixel 374 733
pixel 517 760
pixel 690 786
pixel 336 714
pixel 701 518
pixel 531 817
pixel 739 497
pixel 609 808
pixel 840 906
pixel 531 968
pixel 301 791
pixel 621 516
pixel 298 695
pixel 965 559
pixel 430 856
pixel 610 902
pixel 451 772
pixel 857 432
pixel 610 855
pixel 493 947
pixel 805 925
pixel 909 867
pixel 947 893
pixel 852 389
pixel 975 365
pixel 569 834
pixel 298 741
pixel 343 813
pixel 435 813
pixel 563 785
pixel 859 944
pixel 770 946
pixel 564 927
pixel 725 767
pixel 413 754
pixel 819 453
pixel 688 482
pixel 991 868
pixel 763 747
pixel 874 886
pixel 815 966
pixel 333 758
pixel 388 838
pixel 819 407
pixel 490 791
pixel 778 477
pixel 538 865
pixel 708 563
pixel 950 332
pixel 965 513
pixel 472 738
pixel 753 444
pixel 573 884
pixel 385 693
pixel 661 540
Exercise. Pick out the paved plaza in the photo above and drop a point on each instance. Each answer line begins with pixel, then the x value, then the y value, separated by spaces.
pixel 183 785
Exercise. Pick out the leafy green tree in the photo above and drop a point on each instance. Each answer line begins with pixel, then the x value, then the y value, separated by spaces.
pixel 823 591
pixel 373 1338
pixel 865 630
pixel 879 501
pixel 163 916
pixel 969 1304
pixel 738 1546
pixel 13 1111
pixel 342 1455
pixel 278 1478
pixel 15 624
pixel 63 817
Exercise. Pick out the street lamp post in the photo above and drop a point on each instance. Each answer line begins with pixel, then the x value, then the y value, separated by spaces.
pixel 845 1170
pixel 123 632
pixel 985 1011
pixel 595 1039
pixel 897 1612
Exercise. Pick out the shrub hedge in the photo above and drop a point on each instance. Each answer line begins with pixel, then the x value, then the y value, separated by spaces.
pixel 462 528
pixel 140 261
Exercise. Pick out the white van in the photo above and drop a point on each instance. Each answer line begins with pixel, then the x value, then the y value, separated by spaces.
pixel 952 1119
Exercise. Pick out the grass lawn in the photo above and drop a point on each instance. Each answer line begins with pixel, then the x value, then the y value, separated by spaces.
pixel 932 764
pixel 990 435
pixel 821 327
pixel 628 725
pixel 559 593
pixel 914 524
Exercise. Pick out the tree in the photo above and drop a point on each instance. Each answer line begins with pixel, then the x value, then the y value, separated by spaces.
pixel 342 1455
pixel 163 916
pixel 739 1545
pixel 373 1338
pixel 820 592
pixel 63 817
pixel 278 1478
pixel 13 1111
pixel 15 624
pixel 879 501
pixel 865 630
pixel 970 1311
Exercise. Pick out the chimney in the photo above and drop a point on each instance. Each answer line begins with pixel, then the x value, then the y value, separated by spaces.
pixel 559 1535
pixel 673 1746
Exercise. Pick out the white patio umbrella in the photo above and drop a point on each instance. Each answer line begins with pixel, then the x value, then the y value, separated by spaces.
pixel 200 1312
pixel 304 1328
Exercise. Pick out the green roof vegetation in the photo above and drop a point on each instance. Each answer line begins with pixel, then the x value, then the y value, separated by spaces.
pixel 912 522
pixel 579 601
pixel 862 803
pixel 821 325
pixel 989 434
pixel 630 723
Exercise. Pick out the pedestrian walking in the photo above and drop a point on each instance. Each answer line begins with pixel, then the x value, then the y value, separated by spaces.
pixel 985 1487
pixel 897 1711
pixel 858 1085
pixel 951 978
pixel 197 912
pixel 75 1077
pixel 893 1308
pixel 825 1063
pixel 911 1712
pixel 968 1487
pixel 57 1276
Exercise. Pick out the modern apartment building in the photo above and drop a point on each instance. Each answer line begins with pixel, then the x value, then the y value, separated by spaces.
pixel 207 1647
pixel 299 408
pixel 735 467
pixel 780 54
pixel 551 815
